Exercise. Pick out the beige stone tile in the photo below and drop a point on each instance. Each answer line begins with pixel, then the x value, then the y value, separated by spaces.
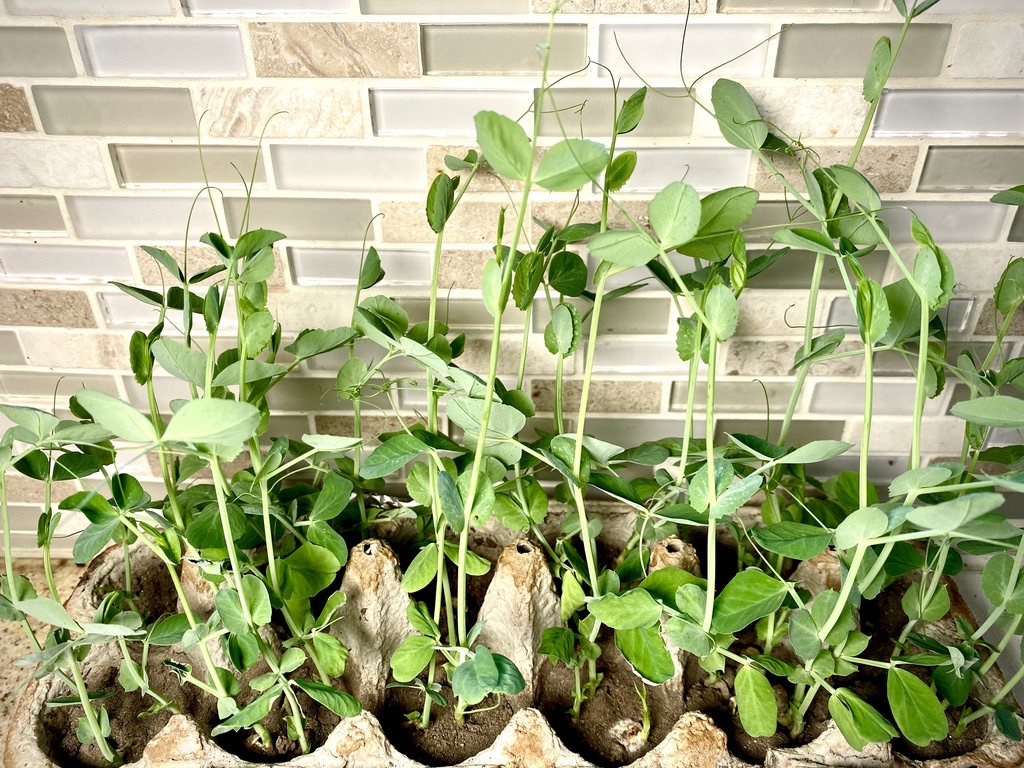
pixel 10 350
pixel 624 6
pixel 747 357
pixel 989 320
pixel 604 396
pixel 990 50
pixel 800 111
pixel 163 165
pixel 889 168
pixel 53 309
pixel 844 50
pixel 501 49
pixel 485 180
pixel 312 49
pixel 554 212
pixel 771 312
pixel 55 163
pixel 462 269
pixel 69 348
pixel 35 52
pixel 372 424
pixel 200 257
pixel 753 6
pixel 22 489
pixel 294 111
pixel 15 114
pixel 120 110
pixel 473 223
pixel 31 214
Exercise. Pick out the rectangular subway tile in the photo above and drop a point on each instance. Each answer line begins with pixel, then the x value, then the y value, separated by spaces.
pixel 795 268
pixel 46 308
pixel 798 6
pixel 704 168
pixel 313 49
pixel 652 50
pixel 302 218
pixel 801 430
pixel 442 7
pixel 48 384
pixel 64 263
pixel 951 112
pixel 31 215
pixel 735 396
pixel 263 7
pixel 144 51
pixel 628 315
pixel 972 169
pixel 1017 227
pixel 955 315
pixel 123 311
pixel 35 52
pixel 293 112
pixel 401 112
pixel 10 350
pixel 666 113
pixel 750 357
pixel 51 163
pixel 636 356
pixel 979 6
pixel 160 165
pixel 114 111
pixel 85 8
pixel 340 266
pixel 361 168
pixel 948 221
pixel 622 7
pixel 137 218
pixel 641 429
pixel 464 314
pixel 844 50
pixel 501 49
pixel 891 398
pixel 989 51
pixel 808 110
pixel 75 349
pixel 473 223
pixel 627 396
pixel 15 113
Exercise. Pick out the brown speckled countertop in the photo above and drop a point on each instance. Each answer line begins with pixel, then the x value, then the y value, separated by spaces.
pixel 13 643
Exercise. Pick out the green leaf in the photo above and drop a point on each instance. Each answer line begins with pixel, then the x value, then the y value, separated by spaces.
pixel 750 595
pixel 332 654
pixel 486 673
pixel 570 164
pixel 735 496
pixel 475 564
pixel 738 118
pixel 815 451
pixel 936 608
pixel 180 361
pixel 803 634
pixel 391 455
pixel 229 608
pixel 388 313
pixel 331 443
pixel 251 714
pixel 563 331
pixel 255 370
pixel 856 187
pixel 915 479
pixel 915 708
pixel 213 422
pixel 1010 288
pixel 117 417
pixel 49 611
pixel 371 272
pixel 258 268
pixel 623 247
pixel 333 497
pixel 573 597
pixel 632 111
pixel 558 644
pixel 440 201
pixel 421 570
pixel 995 583
pixel 991 411
pixel 675 214
pixel 490 287
pixel 620 171
pixel 950 515
pixel 206 531
pixel 505 144
pixel 411 657
pixel 688 636
pixel 94 540
pixel 644 649
pixel 630 610
pixel 528 275
pixel 169 630
pixel 257 598
pixel 504 425
pixel 806 240
pixel 38 423
pixel 874 78
pixel 865 523
pixel 664 583
pixel 1012 196
pixel 858 721
pixel 451 501
pixel 482 506
pixel 722 311
pixel 795 540
pixel 755 702
pixel 340 703
pixel 308 570
pixel 313 342
pixel 567 273
pixel 821 346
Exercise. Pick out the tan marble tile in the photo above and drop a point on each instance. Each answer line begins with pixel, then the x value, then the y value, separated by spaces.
pixel 748 357
pixel 554 213
pixel 604 396
pixel 24 489
pixel 75 349
pixel 485 180
pixel 890 169
pixel 989 320
pixel 312 49
pixel 624 6
pixel 15 114
pixel 292 112
pixel 473 223
pixel 462 269
pixel 55 309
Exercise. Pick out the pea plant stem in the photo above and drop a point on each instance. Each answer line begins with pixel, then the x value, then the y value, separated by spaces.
pixel 712 530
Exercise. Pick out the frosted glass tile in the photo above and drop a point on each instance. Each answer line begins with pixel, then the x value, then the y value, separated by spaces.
pixel 798 6
pixel 801 430
pixel 500 49
pixel 972 169
pixel 122 311
pixel 1017 228
pixel 64 263
pixel 978 6
pixel 705 169
pixel 794 270
pixel 949 222
pixel 86 8
pixel 633 431
pixel 653 50
pixel 106 111
pixel 35 52
pixel 464 314
pixel 891 398
pixel 635 356
pixel 438 113
pixel 31 215
pixel 340 266
pixel 951 112
pixel 262 7
pixel 628 315
pixel 142 165
pixel 321 167
pixel 138 219
pixel 302 219
pixel 10 349
pixel 954 316
pixel 438 7
pixel 136 51
pixel 735 396
pixel 589 110
pixel 844 50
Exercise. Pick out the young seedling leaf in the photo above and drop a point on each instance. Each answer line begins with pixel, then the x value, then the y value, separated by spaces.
pixel 859 722
pixel 755 702
pixel 340 703
pixel 392 455
pixel 722 311
pixel 623 247
pixel 991 411
pixel 645 650
pixel 117 417
pixel 308 570
pixel 917 711
pixel 632 111
pixel 750 595
pixel 738 118
pixel 796 540
pixel 567 273
pixel 865 523
pixel 505 145
pixel 213 422
pixel 621 170
pixel 874 78
pixel 675 214
pixel 421 570
pixel 570 164
pixel 630 610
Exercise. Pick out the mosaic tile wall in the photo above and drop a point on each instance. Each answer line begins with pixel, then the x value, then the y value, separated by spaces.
pixel 361 100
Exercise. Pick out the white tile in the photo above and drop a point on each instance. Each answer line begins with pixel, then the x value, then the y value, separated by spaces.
pixel 977 6
pixel 704 169
pixel 64 263
pixel 990 50
pixel 51 163
pixel 438 113
pixel 951 113
pixel 633 431
pixel 138 51
pixel 360 169
pixel 262 7
pixel 949 222
pixel 954 316
pixel 123 311
pixel 340 266
pixel 891 398
pixel 136 218
pixel 634 356
pixel 86 8
pixel 653 50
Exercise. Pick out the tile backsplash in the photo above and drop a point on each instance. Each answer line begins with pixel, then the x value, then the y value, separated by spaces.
pixel 338 113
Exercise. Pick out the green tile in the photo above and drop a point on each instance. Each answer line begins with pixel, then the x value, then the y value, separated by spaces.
pixel 115 111
pixel 500 49
pixel 668 113
pixel 31 214
pixel 147 164
pixel 972 169
pixel 35 52
pixel 302 218
pixel 844 50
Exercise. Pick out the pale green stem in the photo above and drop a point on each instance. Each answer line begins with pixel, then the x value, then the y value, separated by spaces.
pixel 712 530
